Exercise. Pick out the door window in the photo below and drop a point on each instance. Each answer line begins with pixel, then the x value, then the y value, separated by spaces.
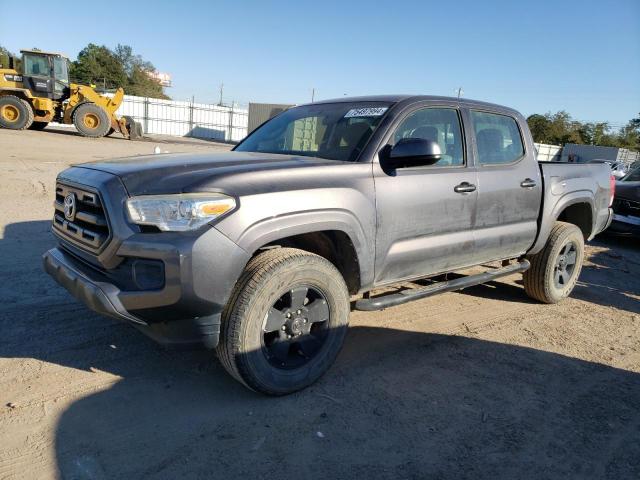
pixel 441 125
pixel 498 138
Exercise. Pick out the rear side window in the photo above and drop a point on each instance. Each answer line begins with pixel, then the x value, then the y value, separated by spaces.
pixel 497 138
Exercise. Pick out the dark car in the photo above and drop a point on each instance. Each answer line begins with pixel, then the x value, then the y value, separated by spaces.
pixel 258 252
pixel 626 204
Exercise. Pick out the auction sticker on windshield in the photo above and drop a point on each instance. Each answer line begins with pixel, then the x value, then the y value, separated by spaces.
pixel 365 112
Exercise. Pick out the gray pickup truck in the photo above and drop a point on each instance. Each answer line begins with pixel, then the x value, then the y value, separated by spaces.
pixel 262 252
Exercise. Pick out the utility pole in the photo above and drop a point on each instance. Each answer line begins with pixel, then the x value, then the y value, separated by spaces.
pixel 459 92
pixel 221 90
pixel 313 94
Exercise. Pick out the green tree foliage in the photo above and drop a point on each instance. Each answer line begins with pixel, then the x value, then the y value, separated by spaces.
pixel 4 58
pixel 97 65
pixel 629 136
pixel 559 128
pixel 111 69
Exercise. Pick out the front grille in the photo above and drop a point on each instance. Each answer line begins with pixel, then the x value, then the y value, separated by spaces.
pixel 622 206
pixel 87 226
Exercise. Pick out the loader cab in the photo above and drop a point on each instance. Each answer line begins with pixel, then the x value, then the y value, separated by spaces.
pixel 46 75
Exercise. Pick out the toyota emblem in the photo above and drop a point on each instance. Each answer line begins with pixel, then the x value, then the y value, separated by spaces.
pixel 70 207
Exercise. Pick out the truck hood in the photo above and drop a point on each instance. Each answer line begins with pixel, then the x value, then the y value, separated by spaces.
pixel 208 172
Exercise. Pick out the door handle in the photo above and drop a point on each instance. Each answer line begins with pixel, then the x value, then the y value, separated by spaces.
pixel 464 187
pixel 528 183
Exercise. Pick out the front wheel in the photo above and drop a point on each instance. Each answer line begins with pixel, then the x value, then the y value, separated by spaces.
pixel 91 120
pixel 285 322
pixel 555 269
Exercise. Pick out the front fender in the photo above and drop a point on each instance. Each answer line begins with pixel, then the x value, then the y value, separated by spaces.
pixel 272 229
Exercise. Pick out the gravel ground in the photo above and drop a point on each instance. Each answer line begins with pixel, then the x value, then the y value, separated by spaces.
pixel 482 383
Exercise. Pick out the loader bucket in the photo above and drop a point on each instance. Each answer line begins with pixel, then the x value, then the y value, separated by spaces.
pixel 129 128
pixel 135 129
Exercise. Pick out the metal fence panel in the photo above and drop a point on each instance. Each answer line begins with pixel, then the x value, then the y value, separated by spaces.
pixel 180 118
pixel 261 112
pixel 548 153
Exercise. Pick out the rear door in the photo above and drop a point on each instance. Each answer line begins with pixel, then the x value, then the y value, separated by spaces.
pixel 425 213
pixel 509 186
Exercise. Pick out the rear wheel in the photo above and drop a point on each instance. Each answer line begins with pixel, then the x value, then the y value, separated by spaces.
pixel 285 321
pixel 15 113
pixel 554 271
pixel 91 120
pixel 38 125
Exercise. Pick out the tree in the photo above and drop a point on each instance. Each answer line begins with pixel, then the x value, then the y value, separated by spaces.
pixel 114 69
pixel 129 61
pixel 540 127
pixel 4 58
pixel 98 65
pixel 559 128
pixel 629 135
pixel 141 84
pixel 596 133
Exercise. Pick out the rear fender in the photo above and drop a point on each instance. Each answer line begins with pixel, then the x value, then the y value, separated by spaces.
pixel 551 212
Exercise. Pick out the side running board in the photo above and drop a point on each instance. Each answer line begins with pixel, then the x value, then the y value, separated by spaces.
pixel 393 299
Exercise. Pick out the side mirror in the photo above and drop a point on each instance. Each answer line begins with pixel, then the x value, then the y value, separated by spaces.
pixel 414 152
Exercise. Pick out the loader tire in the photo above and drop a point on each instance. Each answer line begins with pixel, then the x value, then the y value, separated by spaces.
pixel 15 113
pixel 91 120
pixel 555 269
pixel 38 125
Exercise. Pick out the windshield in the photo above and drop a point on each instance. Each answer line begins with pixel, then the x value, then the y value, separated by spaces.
pixel 336 131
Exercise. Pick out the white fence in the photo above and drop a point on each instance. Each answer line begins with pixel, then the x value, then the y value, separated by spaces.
pixel 548 153
pixel 187 119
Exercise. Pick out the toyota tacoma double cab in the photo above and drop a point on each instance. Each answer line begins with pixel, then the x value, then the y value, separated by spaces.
pixel 260 253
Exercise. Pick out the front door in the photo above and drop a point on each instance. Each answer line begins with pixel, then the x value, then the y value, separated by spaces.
pixel 425 214
pixel 37 74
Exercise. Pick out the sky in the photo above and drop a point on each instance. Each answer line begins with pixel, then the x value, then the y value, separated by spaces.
pixel 535 56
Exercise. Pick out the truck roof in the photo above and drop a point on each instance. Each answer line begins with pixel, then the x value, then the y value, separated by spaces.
pixel 41 52
pixel 400 98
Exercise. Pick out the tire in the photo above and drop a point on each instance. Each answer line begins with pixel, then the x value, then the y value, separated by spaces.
pixel 251 343
pixel 38 125
pixel 15 113
pixel 91 120
pixel 550 279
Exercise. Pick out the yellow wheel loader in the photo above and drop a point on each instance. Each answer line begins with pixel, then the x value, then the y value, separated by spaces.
pixel 41 93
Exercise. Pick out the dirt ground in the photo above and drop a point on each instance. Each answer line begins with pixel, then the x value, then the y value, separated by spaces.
pixel 483 383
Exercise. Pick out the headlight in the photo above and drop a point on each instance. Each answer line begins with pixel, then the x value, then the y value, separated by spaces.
pixel 178 213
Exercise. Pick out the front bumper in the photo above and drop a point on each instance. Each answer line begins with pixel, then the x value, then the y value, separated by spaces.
pixel 172 286
pixel 99 296
pixel 198 275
